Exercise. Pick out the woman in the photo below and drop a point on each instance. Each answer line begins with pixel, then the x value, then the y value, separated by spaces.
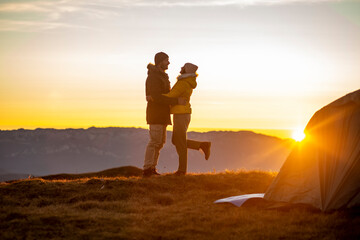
pixel 183 88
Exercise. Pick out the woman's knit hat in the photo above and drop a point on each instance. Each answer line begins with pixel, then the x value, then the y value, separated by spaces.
pixel 190 68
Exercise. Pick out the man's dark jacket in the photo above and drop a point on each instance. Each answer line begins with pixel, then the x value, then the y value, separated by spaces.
pixel 157 83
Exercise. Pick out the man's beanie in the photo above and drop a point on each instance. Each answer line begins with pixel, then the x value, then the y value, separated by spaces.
pixel 159 57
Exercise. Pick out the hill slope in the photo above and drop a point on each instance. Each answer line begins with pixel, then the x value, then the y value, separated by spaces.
pixel 128 171
pixel 165 207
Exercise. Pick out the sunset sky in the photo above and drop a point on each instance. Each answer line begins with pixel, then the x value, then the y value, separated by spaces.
pixel 262 64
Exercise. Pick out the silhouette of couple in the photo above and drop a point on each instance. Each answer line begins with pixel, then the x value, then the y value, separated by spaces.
pixel 162 100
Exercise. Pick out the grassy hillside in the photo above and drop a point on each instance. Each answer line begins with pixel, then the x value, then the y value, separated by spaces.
pixel 165 207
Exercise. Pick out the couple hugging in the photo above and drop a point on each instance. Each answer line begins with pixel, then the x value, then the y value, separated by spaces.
pixel 162 100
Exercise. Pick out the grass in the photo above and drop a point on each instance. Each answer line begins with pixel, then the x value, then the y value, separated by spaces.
pixel 165 207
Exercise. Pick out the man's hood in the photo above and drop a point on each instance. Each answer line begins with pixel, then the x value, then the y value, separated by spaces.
pixel 190 78
pixel 152 69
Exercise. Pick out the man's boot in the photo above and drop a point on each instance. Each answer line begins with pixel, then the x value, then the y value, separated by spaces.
pixel 154 172
pixel 147 172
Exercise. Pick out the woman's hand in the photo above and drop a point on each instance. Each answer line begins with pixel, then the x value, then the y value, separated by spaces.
pixel 182 101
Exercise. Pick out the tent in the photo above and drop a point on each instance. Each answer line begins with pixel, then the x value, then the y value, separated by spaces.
pixel 324 169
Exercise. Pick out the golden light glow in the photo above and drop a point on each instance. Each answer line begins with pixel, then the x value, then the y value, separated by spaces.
pixel 298 134
pixel 56 74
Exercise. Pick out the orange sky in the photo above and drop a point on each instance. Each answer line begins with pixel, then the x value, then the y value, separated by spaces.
pixel 262 65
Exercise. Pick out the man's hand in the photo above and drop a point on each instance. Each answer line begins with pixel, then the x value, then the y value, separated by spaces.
pixel 149 98
pixel 182 101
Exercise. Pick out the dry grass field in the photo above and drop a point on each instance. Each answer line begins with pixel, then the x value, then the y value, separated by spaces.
pixel 164 207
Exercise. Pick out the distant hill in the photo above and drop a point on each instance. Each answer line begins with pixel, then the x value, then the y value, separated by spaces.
pixel 49 151
pixel 6 176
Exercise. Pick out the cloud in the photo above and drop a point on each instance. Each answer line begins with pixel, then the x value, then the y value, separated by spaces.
pixel 44 14
pixel 109 5
pixel 32 26
pixel 34 6
pixel 210 3
pixel 47 15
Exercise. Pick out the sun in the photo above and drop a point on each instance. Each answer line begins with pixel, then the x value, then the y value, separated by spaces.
pixel 298 134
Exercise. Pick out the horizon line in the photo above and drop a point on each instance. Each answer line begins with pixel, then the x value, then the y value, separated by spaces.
pixel 276 132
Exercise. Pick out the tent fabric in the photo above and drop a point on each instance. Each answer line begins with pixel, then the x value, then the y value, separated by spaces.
pixel 240 200
pixel 324 169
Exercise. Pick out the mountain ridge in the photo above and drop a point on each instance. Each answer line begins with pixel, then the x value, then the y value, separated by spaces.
pixel 51 151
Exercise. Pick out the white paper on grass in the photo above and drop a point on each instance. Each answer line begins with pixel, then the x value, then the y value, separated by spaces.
pixel 239 200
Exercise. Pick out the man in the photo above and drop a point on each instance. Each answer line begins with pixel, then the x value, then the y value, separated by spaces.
pixel 157 110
